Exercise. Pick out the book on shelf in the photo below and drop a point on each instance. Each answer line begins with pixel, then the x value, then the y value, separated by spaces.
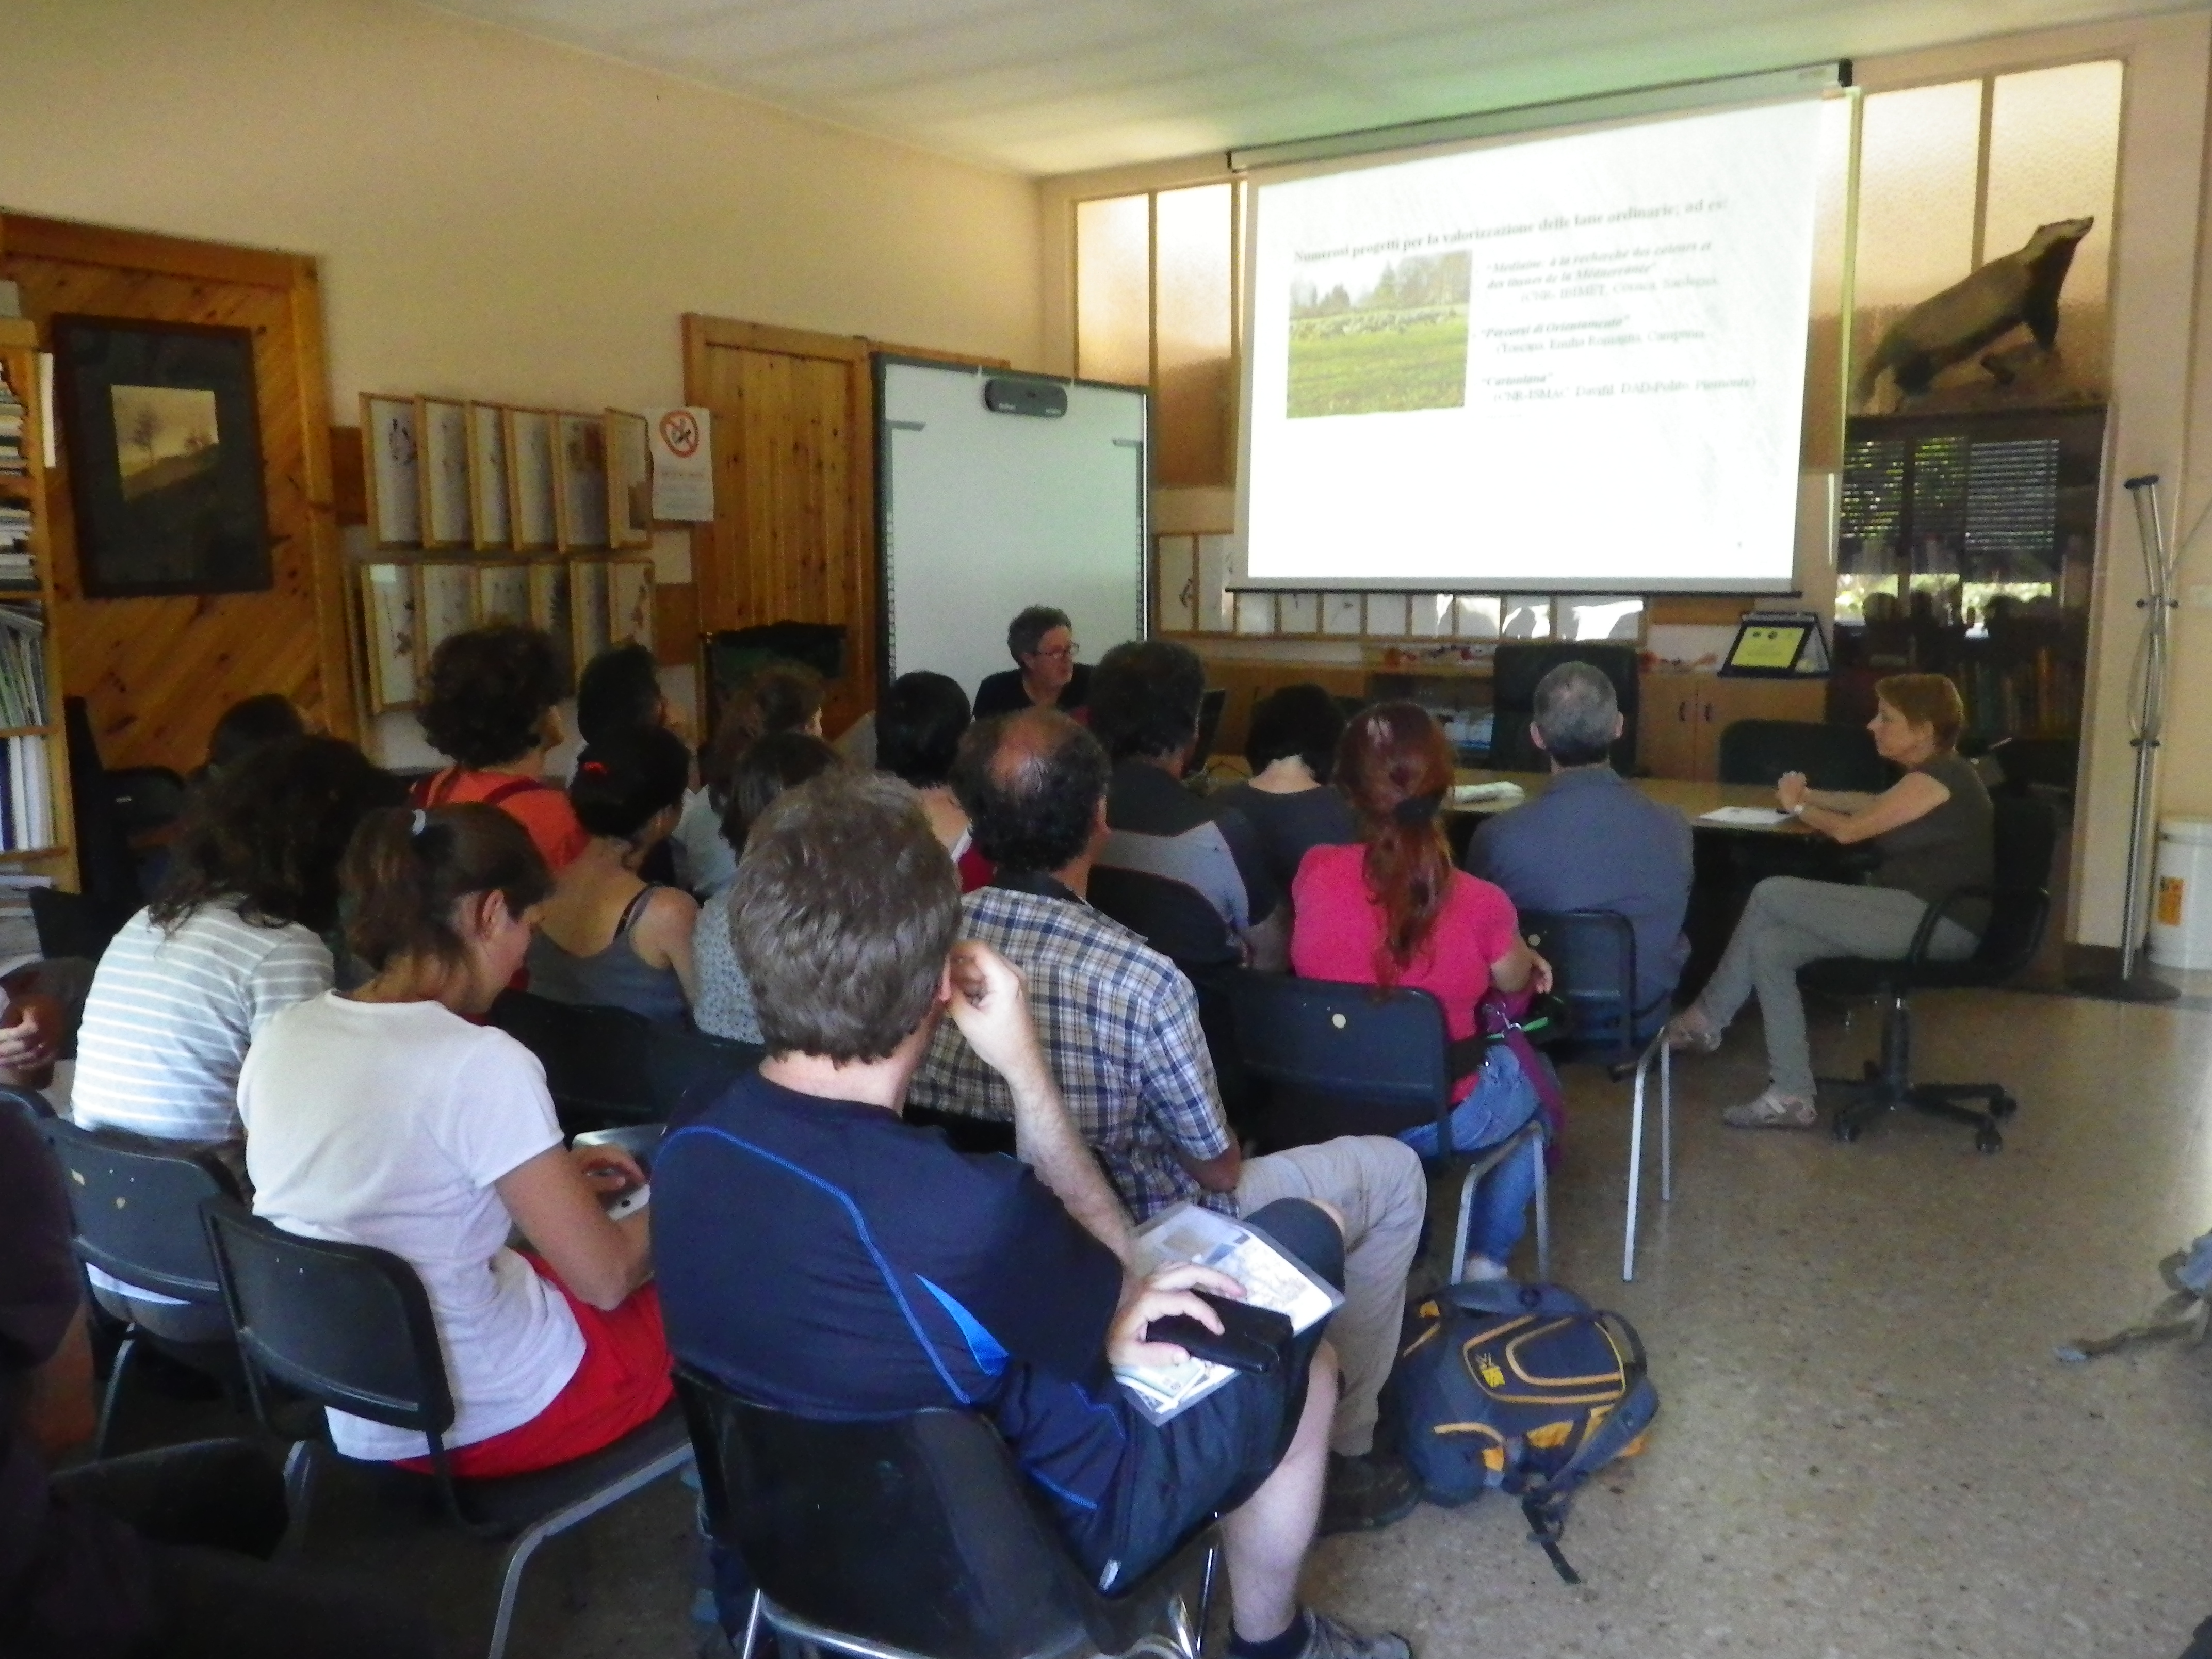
pixel 27 822
pixel 12 458
pixel 23 667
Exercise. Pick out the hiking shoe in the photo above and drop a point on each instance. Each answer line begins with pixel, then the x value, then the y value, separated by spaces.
pixel 1772 1110
pixel 1326 1639
pixel 1365 1492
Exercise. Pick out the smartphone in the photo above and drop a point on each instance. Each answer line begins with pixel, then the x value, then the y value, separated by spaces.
pixel 1250 1339
pixel 631 1202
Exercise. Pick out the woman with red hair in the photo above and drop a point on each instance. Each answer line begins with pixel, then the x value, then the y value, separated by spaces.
pixel 1392 911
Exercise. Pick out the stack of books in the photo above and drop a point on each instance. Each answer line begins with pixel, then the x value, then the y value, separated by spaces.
pixel 12 456
pixel 19 932
pixel 15 568
pixel 23 667
pixel 27 806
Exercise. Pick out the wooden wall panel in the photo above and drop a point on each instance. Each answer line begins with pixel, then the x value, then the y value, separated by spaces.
pixel 157 672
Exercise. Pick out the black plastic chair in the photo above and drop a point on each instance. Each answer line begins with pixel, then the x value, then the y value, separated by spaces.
pixel 1349 1059
pixel 2026 834
pixel 917 1538
pixel 1517 668
pixel 135 1213
pixel 608 1067
pixel 350 1327
pixel 1179 922
pixel 1830 756
pixel 29 1101
pixel 1593 957
pixel 76 924
pixel 147 798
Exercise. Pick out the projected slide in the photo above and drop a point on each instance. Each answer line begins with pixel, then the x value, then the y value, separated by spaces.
pixel 1572 360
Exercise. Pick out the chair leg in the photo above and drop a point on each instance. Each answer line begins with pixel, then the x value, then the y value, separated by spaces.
pixel 1466 1186
pixel 299 1498
pixel 510 1588
pixel 111 1398
pixel 1536 1149
pixel 1666 1123
pixel 1635 1181
pixel 752 1628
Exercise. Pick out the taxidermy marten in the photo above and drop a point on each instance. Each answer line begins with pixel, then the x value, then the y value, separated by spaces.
pixel 2020 288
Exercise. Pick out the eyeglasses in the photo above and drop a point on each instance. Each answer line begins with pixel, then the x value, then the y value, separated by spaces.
pixel 1068 653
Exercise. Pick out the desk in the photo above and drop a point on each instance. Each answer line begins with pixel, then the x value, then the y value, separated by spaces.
pixel 1691 800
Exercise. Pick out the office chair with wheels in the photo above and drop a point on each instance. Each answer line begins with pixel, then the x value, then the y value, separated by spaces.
pixel 1593 957
pixel 2026 834
pixel 135 1214
pixel 1515 671
pixel 350 1328
pixel 917 1537
pixel 1349 1059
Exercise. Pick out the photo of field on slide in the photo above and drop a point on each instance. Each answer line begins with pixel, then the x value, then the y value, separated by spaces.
pixel 1374 340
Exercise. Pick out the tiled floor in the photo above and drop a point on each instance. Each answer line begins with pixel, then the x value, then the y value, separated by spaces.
pixel 1867 1448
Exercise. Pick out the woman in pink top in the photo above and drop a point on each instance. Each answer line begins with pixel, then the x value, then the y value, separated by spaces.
pixel 1392 911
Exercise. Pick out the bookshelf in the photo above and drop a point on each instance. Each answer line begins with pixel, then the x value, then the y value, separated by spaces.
pixel 35 814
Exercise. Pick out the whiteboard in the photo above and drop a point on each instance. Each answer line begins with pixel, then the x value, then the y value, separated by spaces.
pixel 981 513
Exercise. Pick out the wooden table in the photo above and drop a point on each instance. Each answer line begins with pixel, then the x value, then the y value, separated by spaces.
pixel 1690 798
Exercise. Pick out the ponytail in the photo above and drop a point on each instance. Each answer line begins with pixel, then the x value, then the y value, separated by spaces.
pixel 408 870
pixel 1393 764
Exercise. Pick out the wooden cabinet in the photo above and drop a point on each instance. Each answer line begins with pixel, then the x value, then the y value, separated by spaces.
pixel 1678 733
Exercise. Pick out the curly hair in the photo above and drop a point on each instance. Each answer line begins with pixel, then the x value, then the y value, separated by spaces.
pixel 269 831
pixel 1031 784
pixel 1144 698
pixel 1395 765
pixel 488 693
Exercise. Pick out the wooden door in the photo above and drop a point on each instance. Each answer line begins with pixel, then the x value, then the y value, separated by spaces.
pixel 793 535
pixel 1666 727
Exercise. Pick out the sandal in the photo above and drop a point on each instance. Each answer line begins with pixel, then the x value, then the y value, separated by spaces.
pixel 1690 1032
pixel 1772 1110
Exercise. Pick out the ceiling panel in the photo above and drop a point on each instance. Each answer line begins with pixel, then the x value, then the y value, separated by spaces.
pixel 1056 86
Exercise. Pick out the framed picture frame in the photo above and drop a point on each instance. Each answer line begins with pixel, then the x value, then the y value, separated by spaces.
pixel 491 522
pixel 393 471
pixel 552 611
pixel 530 514
pixel 161 424
pixel 629 602
pixel 629 479
pixel 1343 614
pixel 442 428
pixel 579 482
pixel 587 604
pixel 503 594
pixel 387 614
pixel 445 604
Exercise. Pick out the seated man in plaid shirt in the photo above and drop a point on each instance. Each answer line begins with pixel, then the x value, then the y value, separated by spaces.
pixel 1120 1024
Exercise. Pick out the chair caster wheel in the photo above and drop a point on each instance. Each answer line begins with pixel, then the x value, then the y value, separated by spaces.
pixel 2003 1106
pixel 1846 1130
pixel 1988 1140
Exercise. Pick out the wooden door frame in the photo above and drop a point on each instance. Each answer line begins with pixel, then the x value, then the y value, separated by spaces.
pixel 296 276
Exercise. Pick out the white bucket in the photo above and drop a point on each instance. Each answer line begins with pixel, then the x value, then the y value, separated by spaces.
pixel 2181 894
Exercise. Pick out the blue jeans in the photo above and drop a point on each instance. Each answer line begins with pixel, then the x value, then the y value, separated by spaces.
pixel 1501 1102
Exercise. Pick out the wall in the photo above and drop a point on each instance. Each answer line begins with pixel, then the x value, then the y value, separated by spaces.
pixel 497 216
pixel 2162 404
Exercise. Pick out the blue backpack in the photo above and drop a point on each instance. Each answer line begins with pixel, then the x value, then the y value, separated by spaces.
pixel 1522 1388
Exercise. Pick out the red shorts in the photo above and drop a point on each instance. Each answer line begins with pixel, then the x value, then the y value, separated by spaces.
pixel 622 1382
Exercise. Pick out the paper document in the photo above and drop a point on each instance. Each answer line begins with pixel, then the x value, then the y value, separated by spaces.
pixel 1470 794
pixel 1744 817
pixel 1270 1278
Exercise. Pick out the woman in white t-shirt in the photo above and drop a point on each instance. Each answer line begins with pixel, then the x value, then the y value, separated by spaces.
pixel 386 1116
pixel 234 938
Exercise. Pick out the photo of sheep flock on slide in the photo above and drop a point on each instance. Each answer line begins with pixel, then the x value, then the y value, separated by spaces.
pixel 1400 344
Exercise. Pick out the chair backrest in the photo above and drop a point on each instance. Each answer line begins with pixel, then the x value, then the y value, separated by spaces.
pixel 1342 1058
pixel 1175 919
pixel 2024 833
pixel 135 1204
pixel 76 924
pixel 1210 707
pixel 611 1066
pixel 1516 670
pixel 1593 957
pixel 29 1101
pixel 734 653
pixel 915 1533
pixel 347 1325
pixel 147 798
pixel 1831 757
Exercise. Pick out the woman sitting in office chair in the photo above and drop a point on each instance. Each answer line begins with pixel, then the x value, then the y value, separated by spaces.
pixel 1392 911
pixel 389 1117
pixel 1932 830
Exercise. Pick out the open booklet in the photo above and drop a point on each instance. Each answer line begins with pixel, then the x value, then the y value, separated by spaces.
pixel 1745 818
pixel 1272 1278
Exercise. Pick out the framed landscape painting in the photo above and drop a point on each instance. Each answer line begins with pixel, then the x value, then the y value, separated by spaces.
pixel 161 427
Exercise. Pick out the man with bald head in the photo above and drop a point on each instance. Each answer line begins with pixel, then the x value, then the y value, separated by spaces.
pixel 1120 1030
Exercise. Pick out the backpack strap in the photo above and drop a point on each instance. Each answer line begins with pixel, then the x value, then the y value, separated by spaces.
pixel 1545 1500
pixel 438 788
pixel 1506 1296
pixel 510 788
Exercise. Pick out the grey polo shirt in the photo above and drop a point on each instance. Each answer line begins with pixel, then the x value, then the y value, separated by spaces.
pixel 1593 842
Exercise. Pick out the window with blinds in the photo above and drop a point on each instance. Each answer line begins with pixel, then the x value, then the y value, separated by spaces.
pixel 1945 505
